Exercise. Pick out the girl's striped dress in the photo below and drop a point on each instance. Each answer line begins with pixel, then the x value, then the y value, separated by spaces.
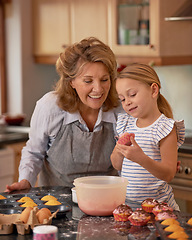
pixel 143 184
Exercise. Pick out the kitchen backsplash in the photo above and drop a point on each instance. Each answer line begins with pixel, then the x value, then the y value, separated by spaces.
pixel 176 84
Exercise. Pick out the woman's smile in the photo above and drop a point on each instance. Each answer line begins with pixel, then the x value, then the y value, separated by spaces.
pixel 95 96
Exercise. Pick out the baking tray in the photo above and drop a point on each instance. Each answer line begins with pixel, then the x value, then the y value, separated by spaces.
pixel 10 205
pixel 182 218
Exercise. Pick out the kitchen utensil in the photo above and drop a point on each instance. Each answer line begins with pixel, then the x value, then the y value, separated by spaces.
pixel 100 195
pixel 74 195
pixel 15 120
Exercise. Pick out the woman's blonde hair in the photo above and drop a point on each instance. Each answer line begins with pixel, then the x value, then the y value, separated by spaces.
pixel 146 74
pixel 70 64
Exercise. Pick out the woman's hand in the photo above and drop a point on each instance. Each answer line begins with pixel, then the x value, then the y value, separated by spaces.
pixel 23 184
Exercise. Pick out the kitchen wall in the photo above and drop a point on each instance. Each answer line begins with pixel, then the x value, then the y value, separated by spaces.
pixel 28 81
pixel 176 87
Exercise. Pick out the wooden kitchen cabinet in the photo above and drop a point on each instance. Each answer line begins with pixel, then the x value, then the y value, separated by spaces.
pixel 169 41
pixel 51 26
pixel 17 147
pixel 7 167
pixel 59 23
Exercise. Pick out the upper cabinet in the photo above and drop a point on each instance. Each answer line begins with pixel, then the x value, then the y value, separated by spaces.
pixel 136 30
pixel 139 29
pixel 59 23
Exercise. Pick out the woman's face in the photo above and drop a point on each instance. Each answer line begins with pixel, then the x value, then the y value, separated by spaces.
pixel 92 85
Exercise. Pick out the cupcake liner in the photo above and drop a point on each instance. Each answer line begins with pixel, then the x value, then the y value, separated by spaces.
pixel 155 212
pixel 148 209
pixel 121 217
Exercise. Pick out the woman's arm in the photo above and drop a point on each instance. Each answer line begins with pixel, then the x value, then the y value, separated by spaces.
pixel 34 152
pixel 45 124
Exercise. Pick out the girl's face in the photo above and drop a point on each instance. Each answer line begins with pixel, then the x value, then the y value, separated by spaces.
pixel 138 99
pixel 92 85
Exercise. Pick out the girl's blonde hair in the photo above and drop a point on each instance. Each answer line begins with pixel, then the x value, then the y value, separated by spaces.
pixel 69 65
pixel 146 74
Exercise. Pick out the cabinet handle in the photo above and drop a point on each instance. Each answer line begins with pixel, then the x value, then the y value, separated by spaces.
pixel 151 46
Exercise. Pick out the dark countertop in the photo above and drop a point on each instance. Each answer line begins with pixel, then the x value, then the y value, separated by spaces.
pixel 14 134
pixel 74 224
pixel 186 147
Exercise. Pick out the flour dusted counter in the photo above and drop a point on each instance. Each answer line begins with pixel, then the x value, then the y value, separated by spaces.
pixel 73 224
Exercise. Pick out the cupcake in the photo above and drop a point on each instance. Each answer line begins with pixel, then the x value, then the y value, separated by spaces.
pixel 2 197
pixel 190 221
pixel 170 221
pixel 178 234
pixel 148 204
pixel 174 228
pixel 53 203
pixel 25 199
pixel 160 207
pixel 29 204
pixel 164 215
pixel 139 218
pixel 48 197
pixel 122 212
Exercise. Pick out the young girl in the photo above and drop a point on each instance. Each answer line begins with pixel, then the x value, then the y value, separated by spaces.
pixel 151 161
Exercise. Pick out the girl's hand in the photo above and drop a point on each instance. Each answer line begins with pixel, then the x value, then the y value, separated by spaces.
pixel 133 152
pixel 178 166
pixel 23 184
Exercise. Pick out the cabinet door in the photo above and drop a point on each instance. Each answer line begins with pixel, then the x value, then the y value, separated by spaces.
pixel 51 26
pixel 89 18
pixel 169 42
pixel 58 23
pixel 17 148
pixel 138 50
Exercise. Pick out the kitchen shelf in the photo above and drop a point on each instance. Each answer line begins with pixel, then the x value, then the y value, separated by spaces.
pixel 157 61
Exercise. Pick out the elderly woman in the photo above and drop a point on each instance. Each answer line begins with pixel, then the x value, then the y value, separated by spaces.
pixel 73 127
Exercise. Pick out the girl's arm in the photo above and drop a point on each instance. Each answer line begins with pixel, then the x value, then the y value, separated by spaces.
pixel 166 168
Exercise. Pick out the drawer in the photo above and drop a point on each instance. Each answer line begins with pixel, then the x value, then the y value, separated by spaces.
pixel 7 163
pixel 7 180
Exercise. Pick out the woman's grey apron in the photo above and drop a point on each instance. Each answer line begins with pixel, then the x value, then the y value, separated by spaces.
pixel 76 153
